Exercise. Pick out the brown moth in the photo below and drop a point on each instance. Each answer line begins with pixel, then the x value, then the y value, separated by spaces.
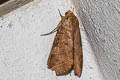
pixel 66 53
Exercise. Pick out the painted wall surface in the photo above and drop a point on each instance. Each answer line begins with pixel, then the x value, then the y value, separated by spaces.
pixel 24 53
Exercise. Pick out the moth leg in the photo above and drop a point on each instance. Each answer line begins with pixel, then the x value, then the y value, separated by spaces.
pixel 50 32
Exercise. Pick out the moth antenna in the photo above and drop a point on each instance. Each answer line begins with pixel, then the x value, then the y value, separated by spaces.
pixel 59 12
pixel 73 9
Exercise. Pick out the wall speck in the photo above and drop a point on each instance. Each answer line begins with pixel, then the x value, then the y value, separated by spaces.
pixel 1 26
pixel 116 65
pixel 114 60
pixel 119 70
pixel 90 78
pixel 10 25
pixel 91 67
pixel 119 45
pixel 103 40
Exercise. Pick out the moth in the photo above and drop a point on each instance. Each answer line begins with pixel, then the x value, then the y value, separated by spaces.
pixel 66 53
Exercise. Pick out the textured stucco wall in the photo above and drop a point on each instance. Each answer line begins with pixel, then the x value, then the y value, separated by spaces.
pixel 101 19
pixel 24 53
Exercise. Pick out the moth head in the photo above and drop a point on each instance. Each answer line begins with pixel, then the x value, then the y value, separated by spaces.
pixel 69 13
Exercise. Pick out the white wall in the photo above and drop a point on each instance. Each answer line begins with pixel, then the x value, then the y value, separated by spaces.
pixel 24 53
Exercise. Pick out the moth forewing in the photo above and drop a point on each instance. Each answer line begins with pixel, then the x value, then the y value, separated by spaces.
pixel 78 55
pixel 61 55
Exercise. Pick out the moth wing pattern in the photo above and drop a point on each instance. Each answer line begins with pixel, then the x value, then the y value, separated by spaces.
pixel 78 54
pixel 66 52
pixel 61 56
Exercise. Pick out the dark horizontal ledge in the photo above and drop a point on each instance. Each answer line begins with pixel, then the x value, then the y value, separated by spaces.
pixel 3 1
pixel 7 6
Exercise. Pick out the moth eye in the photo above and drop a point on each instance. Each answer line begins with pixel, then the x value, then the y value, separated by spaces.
pixel 66 13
